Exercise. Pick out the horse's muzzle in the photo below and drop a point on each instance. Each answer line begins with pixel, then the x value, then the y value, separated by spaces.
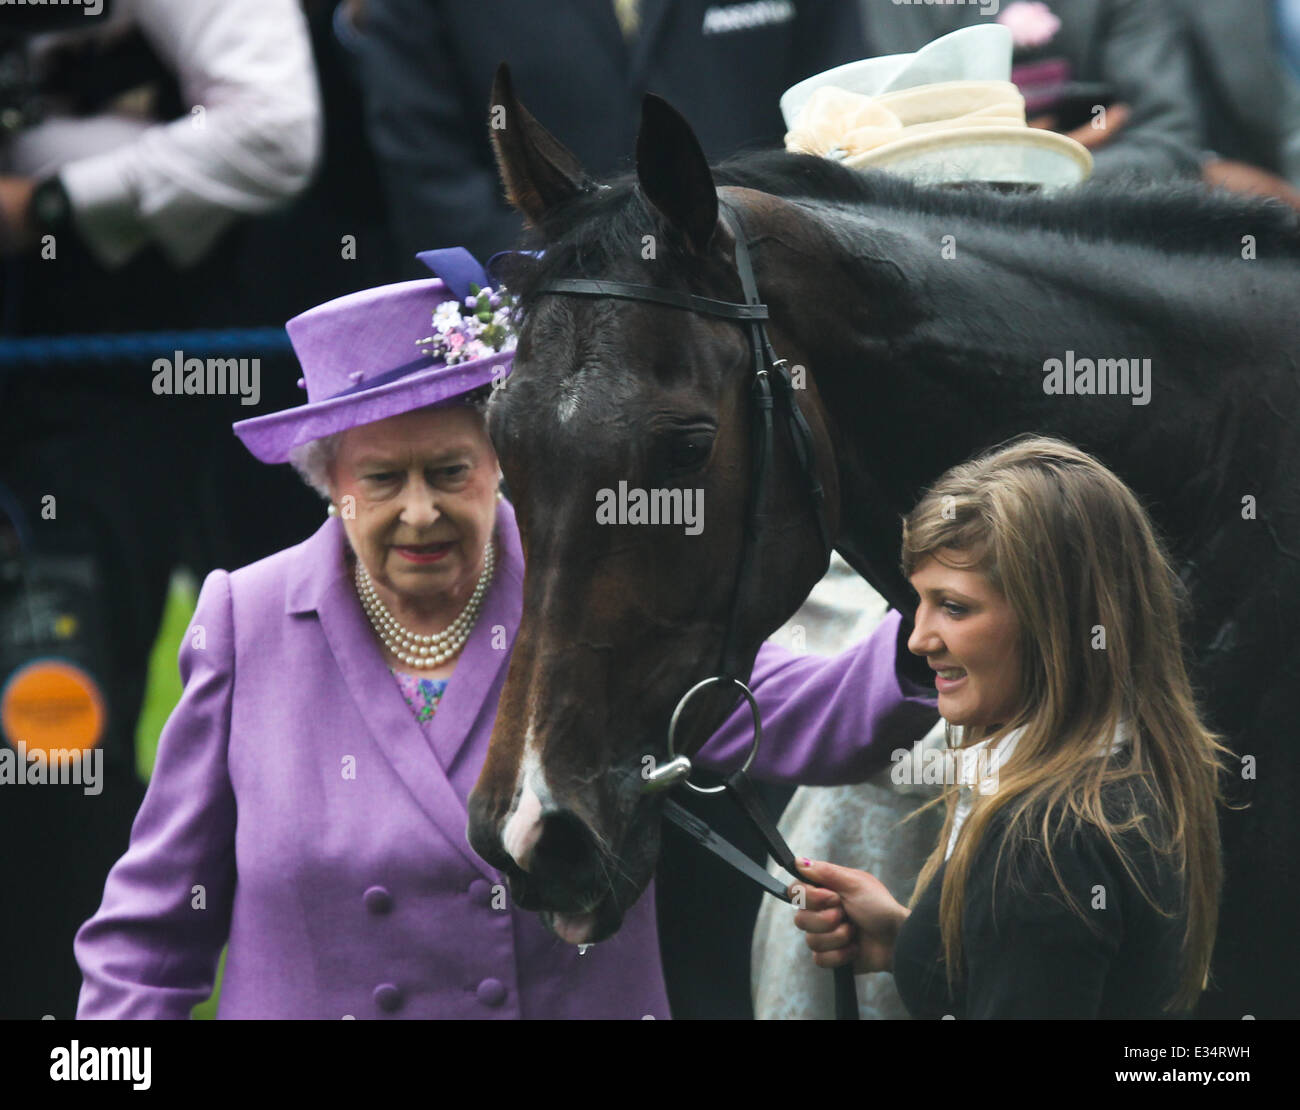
pixel 565 874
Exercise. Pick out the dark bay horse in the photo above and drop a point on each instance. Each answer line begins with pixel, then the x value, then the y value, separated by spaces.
pixel 922 325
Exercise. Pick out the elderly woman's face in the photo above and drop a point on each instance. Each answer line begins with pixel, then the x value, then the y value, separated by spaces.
pixel 424 487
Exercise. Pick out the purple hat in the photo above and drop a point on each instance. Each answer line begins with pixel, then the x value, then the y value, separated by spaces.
pixel 361 356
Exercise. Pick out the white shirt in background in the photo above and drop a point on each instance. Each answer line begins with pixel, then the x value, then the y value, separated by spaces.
pixel 250 140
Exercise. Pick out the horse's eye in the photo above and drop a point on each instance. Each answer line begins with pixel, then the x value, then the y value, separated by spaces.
pixel 690 450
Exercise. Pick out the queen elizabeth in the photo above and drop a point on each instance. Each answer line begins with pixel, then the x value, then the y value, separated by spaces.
pixel 307 805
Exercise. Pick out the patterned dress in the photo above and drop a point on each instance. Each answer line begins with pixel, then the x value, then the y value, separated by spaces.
pixel 421 694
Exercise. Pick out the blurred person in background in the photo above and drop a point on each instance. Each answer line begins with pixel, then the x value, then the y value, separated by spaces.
pixel 333 238
pixel 152 132
pixel 1246 59
pixel 1073 57
pixel 1288 14
pixel 584 66
pixel 135 147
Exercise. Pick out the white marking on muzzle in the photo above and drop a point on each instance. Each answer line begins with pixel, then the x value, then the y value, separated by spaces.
pixel 524 825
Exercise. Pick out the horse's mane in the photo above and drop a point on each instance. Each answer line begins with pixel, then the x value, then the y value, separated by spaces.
pixel 608 223
pixel 1181 216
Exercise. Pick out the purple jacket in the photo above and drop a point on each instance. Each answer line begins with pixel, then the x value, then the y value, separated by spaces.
pixel 297 810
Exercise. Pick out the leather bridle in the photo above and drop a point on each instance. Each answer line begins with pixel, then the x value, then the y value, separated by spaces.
pixel 770 390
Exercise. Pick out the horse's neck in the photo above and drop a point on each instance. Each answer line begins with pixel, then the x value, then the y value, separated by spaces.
pixel 925 350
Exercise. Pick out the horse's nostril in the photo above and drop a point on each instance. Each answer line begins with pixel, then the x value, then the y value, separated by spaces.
pixel 565 868
pixel 565 842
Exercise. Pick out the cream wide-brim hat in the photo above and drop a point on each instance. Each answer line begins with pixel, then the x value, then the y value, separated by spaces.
pixel 946 114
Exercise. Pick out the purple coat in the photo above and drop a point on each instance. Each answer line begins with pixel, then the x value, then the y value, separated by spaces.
pixel 298 810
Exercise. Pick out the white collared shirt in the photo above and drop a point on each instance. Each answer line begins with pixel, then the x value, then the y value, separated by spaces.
pixel 977 768
pixel 249 142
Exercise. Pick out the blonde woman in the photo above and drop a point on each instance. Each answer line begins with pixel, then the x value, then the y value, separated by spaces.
pixel 1078 871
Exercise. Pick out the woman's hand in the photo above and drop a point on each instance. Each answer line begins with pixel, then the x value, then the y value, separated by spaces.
pixel 853 919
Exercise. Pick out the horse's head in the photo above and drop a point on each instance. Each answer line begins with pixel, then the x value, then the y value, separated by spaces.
pixel 624 435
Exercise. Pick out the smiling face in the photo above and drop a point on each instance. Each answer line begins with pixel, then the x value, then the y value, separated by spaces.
pixel 969 633
pixel 424 487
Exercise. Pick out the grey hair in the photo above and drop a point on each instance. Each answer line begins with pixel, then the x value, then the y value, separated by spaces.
pixel 313 459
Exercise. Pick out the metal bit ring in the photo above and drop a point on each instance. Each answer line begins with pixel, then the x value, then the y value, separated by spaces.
pixel 686 697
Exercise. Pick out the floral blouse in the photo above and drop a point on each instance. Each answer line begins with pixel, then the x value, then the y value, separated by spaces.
pixel 421 694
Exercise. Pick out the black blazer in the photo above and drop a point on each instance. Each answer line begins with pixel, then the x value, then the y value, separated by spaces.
pixel 1239 78
pixel 1026 954
pixel 428 68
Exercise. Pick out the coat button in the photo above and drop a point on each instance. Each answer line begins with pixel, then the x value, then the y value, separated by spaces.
pixel 491 992
pixel 387 997
pixel 480 892
pixel 377 900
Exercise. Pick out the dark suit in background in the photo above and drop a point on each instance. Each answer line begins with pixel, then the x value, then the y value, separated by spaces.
pixel 428 68
pixel 1134 46
pixel 1238 78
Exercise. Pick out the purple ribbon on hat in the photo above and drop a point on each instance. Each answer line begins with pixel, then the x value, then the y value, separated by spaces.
pixel 458 270
pixel 373 382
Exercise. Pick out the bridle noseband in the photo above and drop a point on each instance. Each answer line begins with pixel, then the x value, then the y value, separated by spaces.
pixel 770 388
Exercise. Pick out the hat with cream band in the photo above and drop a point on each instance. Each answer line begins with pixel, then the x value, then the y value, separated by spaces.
pixel 946 114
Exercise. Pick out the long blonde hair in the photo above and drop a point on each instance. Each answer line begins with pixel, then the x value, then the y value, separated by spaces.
pixel 1097 601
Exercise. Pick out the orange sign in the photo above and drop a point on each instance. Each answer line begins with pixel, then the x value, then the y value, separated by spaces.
pixel 51 704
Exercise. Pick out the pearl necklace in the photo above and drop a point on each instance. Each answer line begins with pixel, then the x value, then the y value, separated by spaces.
pixel 438 647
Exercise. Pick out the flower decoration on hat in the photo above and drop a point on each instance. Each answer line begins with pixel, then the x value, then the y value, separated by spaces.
pixel 839 124
pixel 948 114
pixel 836 123
pixel 480 325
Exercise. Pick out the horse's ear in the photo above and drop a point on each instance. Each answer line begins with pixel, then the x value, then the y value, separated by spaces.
pixel 539 171
pixel 674 174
